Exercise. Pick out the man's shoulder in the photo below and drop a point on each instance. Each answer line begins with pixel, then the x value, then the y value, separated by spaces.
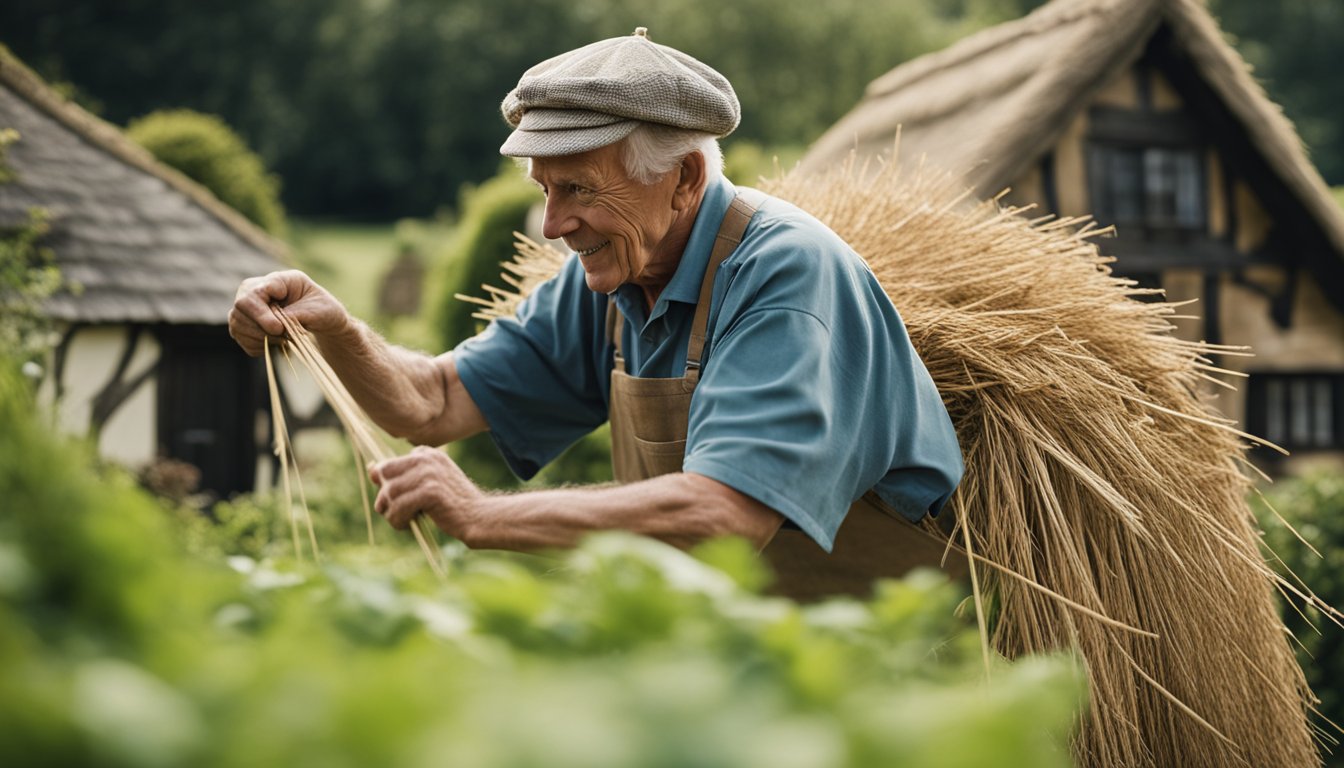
pixel 783 239
pixel 782 231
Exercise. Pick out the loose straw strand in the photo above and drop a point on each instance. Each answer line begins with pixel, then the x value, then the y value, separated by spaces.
pixel 366 446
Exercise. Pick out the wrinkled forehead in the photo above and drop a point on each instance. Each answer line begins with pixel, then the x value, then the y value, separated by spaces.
pixel 598 165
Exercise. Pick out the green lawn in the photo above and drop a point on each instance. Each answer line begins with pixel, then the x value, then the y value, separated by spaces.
pixel 350 260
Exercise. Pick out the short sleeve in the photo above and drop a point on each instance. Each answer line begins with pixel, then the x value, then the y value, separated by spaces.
pixel 812 393
pixel 536 376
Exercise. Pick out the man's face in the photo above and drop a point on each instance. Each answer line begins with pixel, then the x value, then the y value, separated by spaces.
pixel 621 229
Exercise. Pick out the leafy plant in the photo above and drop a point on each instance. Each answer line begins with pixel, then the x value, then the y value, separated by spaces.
pixel 1314 506
pixel 205 148
pixel 28 276
pixel 118 648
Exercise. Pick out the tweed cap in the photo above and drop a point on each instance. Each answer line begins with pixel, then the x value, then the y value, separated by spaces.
pixel 596 95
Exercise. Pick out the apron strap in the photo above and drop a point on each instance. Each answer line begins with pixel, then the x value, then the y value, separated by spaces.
pixel 730 235
pixel 615 324
pixel 734 225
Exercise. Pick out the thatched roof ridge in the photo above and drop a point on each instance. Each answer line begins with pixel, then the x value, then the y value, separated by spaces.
pixel 990 106
pixel 992 103
pixel 1269 128
pixel 145 243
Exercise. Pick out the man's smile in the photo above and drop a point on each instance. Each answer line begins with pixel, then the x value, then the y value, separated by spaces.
pixel 585 252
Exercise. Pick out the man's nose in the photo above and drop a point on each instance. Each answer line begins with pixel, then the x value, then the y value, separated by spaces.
pixel 558 221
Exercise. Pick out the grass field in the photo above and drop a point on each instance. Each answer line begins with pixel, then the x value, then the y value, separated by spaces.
pixel 351 259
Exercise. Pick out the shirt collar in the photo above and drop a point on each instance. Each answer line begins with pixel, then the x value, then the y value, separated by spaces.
pixel 684 286
pixel 685 283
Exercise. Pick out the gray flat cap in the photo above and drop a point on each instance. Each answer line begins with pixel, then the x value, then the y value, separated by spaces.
pixel 596 95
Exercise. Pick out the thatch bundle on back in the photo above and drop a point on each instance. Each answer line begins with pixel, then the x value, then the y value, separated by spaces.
pixel 1094 469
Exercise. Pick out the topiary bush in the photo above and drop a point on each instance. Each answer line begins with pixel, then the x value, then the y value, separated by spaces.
pixel 489 215
pixel 207 150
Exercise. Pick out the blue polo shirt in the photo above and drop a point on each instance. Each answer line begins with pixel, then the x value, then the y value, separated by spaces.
pixel 810 392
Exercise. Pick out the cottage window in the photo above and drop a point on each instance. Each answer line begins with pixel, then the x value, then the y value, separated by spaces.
pixel 1297 411
pixel 1153 188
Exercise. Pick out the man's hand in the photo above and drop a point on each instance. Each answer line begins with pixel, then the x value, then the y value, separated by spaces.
pixel 251 320
pixel 426 481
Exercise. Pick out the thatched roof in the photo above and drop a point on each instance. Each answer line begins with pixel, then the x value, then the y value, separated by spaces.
pixel 145 244
pixel 989 107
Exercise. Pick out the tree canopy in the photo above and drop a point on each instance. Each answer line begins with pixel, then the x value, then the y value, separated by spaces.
pixel 383 108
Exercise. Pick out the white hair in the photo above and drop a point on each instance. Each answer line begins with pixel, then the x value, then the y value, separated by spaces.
pixel 651 150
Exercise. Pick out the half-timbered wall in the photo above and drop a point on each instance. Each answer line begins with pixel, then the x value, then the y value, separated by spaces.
pixel 82 368
pixel 1248 289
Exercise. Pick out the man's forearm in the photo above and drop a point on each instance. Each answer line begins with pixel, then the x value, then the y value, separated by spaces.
pixel 402 391
pixel 680 509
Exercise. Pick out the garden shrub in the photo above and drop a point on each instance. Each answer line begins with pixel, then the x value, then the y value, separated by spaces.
pixel 1314 506
pixel 118 648
pixel 207 150
pixel 488 216
pixel 28 276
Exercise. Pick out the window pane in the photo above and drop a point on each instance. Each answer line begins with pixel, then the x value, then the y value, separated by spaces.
pixel 1274 427
pixel 1159 186
pixel 1299 411
pixel 1323 416
pixel 1189 191
pixel 1124 169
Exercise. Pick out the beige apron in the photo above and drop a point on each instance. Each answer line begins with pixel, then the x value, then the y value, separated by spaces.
pixel 649 420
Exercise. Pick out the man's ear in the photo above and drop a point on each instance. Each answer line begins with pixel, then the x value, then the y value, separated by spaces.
pixel 691 181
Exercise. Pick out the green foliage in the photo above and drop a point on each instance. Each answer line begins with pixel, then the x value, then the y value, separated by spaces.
pixel 118 648
pixel 382 109
pixel 1292 47
pixel 747 162
pixel 205 149
pixel 28 276
pixel 490 214
pixel 259 526
pixel 1314 506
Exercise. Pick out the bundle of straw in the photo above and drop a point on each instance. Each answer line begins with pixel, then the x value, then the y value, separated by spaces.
pixel 1103 507
pixel 364 437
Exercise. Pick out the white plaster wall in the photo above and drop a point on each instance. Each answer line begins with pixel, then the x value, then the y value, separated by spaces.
pixel 302 395
pixel 129 436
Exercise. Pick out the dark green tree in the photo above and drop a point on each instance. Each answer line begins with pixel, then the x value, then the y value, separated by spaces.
pixel 1292 47
pixel 383 109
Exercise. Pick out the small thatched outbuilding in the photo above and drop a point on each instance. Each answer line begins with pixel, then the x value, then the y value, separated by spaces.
pixel 1139 112
pixel 144 360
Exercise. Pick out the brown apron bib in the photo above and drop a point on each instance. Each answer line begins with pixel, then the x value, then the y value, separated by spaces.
pixel 649 420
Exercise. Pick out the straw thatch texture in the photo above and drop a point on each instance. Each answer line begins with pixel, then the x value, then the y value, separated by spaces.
pixel 1094 469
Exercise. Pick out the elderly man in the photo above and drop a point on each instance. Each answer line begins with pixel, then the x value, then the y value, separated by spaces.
pixel 758 381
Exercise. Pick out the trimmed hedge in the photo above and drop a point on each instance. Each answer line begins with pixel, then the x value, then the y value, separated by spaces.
pixel 207 150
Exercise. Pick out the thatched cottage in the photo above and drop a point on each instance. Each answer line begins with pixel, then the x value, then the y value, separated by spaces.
pixel 144 361
pixel 1139 112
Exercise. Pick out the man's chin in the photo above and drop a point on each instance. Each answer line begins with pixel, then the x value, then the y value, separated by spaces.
pixel 599 283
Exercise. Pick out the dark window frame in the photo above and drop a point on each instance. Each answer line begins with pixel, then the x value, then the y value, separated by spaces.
pixel 1143 134
pixel 1280 406
pixel 1139 207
